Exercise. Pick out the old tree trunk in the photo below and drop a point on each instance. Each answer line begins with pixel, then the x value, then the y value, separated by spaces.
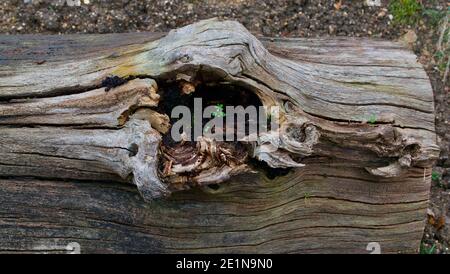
pixel 83 119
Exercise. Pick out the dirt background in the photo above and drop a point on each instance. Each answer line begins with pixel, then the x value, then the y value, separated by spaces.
pixel 425 32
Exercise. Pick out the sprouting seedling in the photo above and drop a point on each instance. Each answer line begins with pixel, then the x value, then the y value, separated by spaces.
pixel 372 119
pixel 219 111
pixel 435 176
pixel 427 250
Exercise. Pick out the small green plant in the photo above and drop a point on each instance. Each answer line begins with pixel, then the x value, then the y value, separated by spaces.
pixel 372 119
pixel 439 55
pixel 219 111
pixel 435 176
pixel 405 11
pixel 434 16
pixel 427 250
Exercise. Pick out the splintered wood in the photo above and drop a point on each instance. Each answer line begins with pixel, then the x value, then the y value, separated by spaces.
pixel 82 116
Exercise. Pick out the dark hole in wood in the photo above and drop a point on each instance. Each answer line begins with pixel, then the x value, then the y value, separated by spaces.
pixel 133 149
pixel 214 187
pixel 112 82
pixel 270 172
pixel 212 94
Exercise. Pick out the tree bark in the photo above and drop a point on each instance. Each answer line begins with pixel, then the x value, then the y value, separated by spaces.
pixel 81 117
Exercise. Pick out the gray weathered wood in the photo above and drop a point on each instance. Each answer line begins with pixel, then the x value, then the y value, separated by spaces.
pixel 361 181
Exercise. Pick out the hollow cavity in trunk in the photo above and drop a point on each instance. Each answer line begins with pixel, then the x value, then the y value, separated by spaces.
pixel 198 159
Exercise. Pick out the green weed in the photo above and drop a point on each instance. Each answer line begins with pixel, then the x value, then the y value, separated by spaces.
pixel 427 250
pixel 405 11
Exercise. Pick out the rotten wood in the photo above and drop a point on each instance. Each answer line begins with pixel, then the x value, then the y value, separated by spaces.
pixel 356 149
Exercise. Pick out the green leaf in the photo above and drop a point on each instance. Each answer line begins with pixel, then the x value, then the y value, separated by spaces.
pixel 435 176
pixel 405 11
pixel 372 119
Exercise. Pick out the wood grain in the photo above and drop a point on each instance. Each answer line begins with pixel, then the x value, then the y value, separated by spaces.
pixel 335 209
pixel 67 144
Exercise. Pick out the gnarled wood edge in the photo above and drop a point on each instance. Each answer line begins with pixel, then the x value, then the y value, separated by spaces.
pixel 325 108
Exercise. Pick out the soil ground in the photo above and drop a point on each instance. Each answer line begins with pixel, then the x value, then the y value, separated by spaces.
pixel 424 32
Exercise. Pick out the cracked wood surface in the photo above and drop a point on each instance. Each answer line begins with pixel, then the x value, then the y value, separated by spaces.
pixel 321 208
pixel 357 116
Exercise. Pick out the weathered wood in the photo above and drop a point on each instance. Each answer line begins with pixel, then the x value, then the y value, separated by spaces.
pixel 357 116
pixel 321 208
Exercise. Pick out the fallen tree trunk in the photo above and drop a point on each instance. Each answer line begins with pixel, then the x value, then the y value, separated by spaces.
pixel 83 115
